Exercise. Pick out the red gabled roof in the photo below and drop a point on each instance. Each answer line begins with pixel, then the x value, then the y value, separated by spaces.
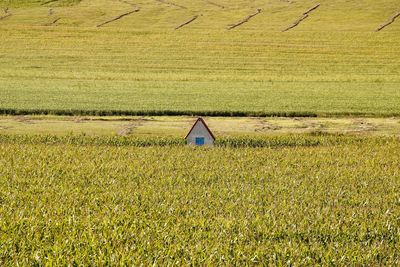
pixel 200 119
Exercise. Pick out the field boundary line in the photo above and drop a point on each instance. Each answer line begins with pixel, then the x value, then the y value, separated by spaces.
pixel 246 19
pixel 187 22
pixel 391 20
pixel 303 17
pixel 118 17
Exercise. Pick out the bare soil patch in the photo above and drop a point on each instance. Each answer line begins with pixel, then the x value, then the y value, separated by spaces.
pixel 130 127
pixel 23 119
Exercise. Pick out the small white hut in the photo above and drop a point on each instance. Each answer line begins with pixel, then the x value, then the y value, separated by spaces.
pixel 200 134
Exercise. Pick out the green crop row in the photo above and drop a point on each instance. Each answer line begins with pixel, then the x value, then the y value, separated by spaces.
pixel 68 203
pixel 209 113
pixel 288 140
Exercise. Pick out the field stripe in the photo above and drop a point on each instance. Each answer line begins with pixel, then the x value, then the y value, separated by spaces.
pixel 52 22
pixel 49 2
pixel 303 17
pixel 119 17
pixel 392 19
pixel 245 19
pixel 187 22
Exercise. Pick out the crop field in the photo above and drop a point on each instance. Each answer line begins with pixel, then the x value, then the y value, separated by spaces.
pixel 97 95
pixel 331 202
pixel 54 58
pixel 177 127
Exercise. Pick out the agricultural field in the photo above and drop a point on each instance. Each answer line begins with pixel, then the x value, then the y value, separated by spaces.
pixel 96 97
pixel 54 58
pixel 178 126
pixel 325 200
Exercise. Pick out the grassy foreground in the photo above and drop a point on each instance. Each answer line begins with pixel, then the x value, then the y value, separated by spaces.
pixel 107 204
pixel 332 63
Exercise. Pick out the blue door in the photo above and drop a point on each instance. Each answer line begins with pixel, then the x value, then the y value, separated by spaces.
pixel 199 141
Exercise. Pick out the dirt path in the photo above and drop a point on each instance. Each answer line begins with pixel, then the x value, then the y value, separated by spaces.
pixel 392 19
pixel 303 17
pixel 187 22
pixel 246 19
pixel 118 18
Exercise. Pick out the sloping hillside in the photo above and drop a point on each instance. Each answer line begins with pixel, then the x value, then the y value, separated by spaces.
pixel 216 55
pixel 274 15
pixel 35 3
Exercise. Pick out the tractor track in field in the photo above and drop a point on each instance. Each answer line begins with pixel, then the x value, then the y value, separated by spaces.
pixel 171 4
pixel 52 22
pixel 187 22
pixel 128 3
pixel 303 17
pixel 214 4
pixel 6 14
pixel 391 20
pixel 129 128
pixel 246 19
pixel 49 2
pixel 118 17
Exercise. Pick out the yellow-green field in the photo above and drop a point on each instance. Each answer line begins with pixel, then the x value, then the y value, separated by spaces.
pixel 332 63
pixel 71 203
pixel 179 126
pixel 92 173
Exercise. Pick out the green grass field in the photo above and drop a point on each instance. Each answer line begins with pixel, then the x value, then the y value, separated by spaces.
pixel 332 63
pixel 67 204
